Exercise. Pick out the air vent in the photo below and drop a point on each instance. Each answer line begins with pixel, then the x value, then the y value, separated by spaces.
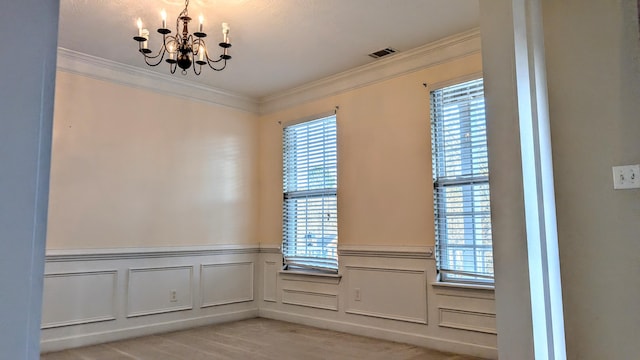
pixel 382 53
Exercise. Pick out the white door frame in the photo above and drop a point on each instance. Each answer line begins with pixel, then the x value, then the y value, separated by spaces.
pixel 527 268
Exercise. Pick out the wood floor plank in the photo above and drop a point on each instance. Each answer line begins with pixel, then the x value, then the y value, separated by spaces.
pixel 100 352
pixel 259 339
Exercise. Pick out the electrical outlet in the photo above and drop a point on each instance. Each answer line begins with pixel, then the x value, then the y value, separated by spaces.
pixel 626 177
pixel 173 296
pixel 357 294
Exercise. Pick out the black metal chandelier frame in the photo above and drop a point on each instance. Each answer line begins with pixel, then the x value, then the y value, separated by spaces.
pixel 186 46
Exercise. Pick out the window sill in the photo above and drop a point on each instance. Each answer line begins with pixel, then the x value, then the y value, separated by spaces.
pixel 310 276
pixel 464 290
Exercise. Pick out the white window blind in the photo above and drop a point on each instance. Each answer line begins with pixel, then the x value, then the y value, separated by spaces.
pixel 310 221
pixel 461 183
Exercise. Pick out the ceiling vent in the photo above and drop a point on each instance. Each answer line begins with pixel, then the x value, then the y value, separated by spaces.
pixel 382 53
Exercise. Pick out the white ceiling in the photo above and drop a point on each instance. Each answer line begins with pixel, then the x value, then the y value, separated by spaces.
pixel 277 44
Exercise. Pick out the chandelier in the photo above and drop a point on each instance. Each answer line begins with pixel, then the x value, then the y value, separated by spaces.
pixel 181 49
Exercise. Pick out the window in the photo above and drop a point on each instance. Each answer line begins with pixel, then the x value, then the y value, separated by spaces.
pixel 461 183
pixel 310 222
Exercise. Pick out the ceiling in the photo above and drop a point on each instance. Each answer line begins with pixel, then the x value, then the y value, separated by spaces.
pixel 277 44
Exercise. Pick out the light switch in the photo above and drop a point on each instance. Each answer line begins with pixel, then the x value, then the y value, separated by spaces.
pixel 626 177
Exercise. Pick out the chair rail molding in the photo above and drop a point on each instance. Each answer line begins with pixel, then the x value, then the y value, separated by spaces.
pixel 70 255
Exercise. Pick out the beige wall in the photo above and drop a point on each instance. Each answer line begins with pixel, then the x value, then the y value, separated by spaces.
pixel 134 168
pixel 384 161
pixel 593 62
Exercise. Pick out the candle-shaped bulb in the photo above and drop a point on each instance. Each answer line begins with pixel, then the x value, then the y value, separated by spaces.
pixel 201 18
pixel 201 53
pixel 139 23
pixel 145 35
pixel 172 53
pixel 225 32
pixel 163 14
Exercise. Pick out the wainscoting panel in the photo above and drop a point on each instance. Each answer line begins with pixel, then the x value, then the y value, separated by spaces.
pixel 386 292
pixel 396 285
pixel 226 283
pixel 157 290
pixel 64 303
pixel 468 320
pixel 270 281
pixel 397 294
pixel 310 299
pixel 144 291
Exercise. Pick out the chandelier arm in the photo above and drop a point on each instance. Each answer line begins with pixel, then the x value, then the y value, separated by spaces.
pixel 171 38
pixel 214 61
pixel 173 67
pixel 210 60
pixel 196 71
pixel 160 52
pixel 218 69
pixel 147 58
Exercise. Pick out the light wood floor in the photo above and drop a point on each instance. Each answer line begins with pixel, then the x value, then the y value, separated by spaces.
pixel 253 339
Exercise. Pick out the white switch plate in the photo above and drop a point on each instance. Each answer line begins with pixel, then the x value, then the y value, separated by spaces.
pixel 626 177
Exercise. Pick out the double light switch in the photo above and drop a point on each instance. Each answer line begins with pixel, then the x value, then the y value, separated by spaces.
pixel 626 177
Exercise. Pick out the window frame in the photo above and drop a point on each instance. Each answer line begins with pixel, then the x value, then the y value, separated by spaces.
pixel 452 275
pixel 310 197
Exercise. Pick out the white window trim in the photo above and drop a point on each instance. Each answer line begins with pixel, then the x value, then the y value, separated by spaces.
pixel 301 269
pixel 463 284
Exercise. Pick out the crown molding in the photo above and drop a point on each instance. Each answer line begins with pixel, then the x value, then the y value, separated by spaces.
pixel 102 69
pixel 446 49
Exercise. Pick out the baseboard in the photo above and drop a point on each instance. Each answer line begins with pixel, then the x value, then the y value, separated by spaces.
pixel 440 344
pixel 147 329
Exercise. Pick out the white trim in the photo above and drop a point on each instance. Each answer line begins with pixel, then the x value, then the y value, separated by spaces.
pixel 387 316
pixel 384 251
pixel 432 342
pixel 102 69
pixel 229 301
pixel 466 327
pixel 151 252
pixel 333 306
pixel 112 316
pixel 131 314
pixel 447 49
pixel 310 276
pixel 63 343
pixel 272 292
pixel 304 119
pixel 458 80
pixel 270 248
pixel 418 320
pixel 528 284
pixel 464 290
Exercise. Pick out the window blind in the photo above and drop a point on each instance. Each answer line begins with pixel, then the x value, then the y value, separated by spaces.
pixel 310 171
pixel 461 183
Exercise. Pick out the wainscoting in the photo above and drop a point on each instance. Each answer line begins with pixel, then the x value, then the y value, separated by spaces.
pixel 384 292
pixel 94 296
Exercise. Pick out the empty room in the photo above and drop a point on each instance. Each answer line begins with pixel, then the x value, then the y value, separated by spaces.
pixel 361 179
